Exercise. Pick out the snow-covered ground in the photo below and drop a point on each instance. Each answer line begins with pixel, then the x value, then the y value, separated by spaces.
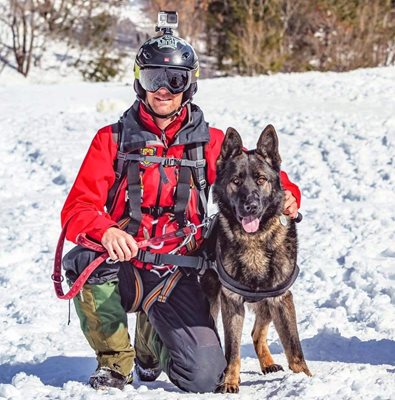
pixel 337 134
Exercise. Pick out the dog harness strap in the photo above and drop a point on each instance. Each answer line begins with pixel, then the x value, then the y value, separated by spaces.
pixel 249 294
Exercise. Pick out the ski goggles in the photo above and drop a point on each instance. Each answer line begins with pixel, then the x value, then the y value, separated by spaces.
pixel 174 80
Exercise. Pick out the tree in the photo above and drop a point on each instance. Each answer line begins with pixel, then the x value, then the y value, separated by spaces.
pixel 21 20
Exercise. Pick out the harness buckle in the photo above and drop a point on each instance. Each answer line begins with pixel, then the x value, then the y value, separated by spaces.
pixel 148 257
pixel 121 156
pixel 202 184
pixel 170 162
pixel 200 163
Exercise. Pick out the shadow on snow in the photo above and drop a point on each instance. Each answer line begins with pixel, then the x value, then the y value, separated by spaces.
pixel 56 371
pixel 325 346
pixel 331 346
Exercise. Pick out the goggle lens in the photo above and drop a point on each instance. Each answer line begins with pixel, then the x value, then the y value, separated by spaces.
pixel 174 80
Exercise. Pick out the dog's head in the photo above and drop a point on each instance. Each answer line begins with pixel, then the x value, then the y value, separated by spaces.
pixel 247 189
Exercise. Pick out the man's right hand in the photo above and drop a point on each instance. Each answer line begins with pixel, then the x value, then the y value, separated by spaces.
pixel 119 244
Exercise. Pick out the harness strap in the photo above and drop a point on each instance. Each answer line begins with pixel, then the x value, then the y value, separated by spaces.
pixel 170 259
pixel 162 291
pixel 119 164
pixel 134 194
pixel 199 174
pixel 157 211
pixel 139 289
pixel 182 195
pixel 165 161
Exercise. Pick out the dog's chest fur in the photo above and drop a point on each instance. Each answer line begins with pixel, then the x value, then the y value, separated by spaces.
pixel 259 260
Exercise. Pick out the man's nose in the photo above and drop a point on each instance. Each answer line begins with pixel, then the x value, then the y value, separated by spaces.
pixel 163 90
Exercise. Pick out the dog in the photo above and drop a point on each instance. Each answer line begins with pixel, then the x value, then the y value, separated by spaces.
pixel 256 249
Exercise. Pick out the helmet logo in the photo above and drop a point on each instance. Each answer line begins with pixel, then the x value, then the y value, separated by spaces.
pixel 167 41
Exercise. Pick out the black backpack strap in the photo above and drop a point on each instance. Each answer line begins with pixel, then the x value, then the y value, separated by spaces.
pixel 119 164
pixel 134 194
pixel 182 195
pixel 196 152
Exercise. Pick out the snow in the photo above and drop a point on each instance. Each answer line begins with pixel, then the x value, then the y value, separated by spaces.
pixel 337 134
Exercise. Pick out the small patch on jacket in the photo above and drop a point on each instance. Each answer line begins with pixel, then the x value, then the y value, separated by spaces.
pixel 147 151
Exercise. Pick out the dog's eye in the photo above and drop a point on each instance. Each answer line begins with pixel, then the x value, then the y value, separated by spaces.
pixel 261 180
pixel 236 181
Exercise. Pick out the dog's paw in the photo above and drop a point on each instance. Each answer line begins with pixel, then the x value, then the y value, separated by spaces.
pixel 228 388
pixel 301 367
pixel 272 368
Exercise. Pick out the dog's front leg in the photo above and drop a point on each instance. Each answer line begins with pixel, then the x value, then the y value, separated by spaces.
pixel 232 309
pixel 283 313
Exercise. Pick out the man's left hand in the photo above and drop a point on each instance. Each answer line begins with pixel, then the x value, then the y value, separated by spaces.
pixel 290 205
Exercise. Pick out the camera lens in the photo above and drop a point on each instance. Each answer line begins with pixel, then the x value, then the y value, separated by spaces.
pixel 172 18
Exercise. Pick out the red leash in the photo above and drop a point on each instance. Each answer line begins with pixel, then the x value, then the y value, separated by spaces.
pixel 82 240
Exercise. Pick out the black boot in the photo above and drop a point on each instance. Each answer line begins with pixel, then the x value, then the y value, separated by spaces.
pixel 146 373
pixel 105 378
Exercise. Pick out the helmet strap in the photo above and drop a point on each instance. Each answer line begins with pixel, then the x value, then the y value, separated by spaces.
pixel 166 116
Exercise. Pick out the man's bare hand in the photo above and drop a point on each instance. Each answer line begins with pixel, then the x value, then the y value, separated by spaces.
pixel 119 244
pixel 290 205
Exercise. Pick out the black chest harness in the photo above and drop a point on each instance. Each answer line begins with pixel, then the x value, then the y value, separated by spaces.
pixel 213 252
pixel 250 295
pixel 131 137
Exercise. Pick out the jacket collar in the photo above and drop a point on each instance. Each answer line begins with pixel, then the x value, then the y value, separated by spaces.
pixel 170 131
pixel 136 134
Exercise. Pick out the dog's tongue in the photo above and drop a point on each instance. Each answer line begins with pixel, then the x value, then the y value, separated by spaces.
pixel 250 224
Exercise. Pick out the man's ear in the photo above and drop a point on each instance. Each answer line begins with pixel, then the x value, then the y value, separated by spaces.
pixel 232 145
pixel 267 147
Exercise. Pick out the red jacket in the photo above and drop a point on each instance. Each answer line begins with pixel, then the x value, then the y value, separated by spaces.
pixel 84 207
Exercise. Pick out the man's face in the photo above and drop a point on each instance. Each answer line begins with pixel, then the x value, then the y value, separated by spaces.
pixel 163 102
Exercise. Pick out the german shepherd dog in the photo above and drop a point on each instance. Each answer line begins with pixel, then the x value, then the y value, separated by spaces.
pixel 257 245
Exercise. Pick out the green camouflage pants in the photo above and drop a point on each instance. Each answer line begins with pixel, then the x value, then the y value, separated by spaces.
pixel 104 324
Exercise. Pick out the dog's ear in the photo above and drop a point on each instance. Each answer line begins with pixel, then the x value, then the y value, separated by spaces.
pixel 232 145
pixel 267 147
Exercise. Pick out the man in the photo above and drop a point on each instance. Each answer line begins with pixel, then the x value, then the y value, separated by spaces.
pixel 155 192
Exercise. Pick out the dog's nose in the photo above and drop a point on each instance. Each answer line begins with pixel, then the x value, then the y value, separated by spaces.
pixel 251 206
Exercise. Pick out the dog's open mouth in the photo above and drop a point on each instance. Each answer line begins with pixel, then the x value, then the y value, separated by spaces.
pixel 250 224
